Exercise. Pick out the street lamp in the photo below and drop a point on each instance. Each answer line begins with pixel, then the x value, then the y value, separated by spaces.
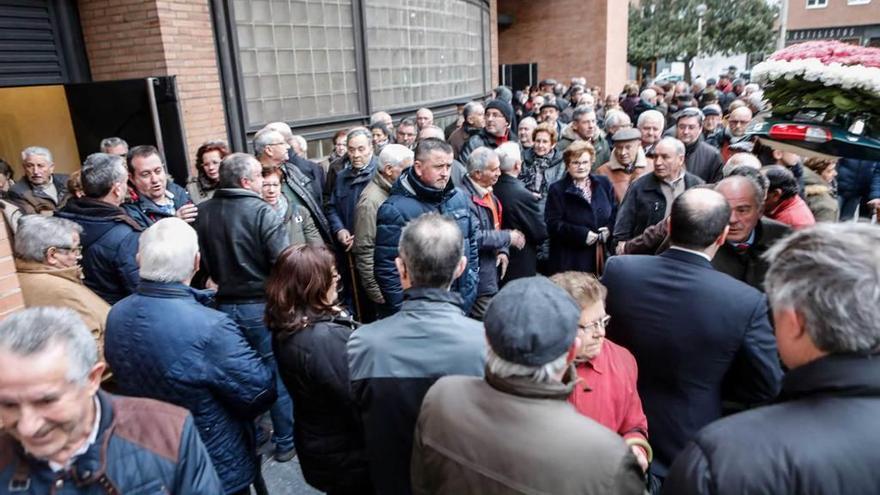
pixel 701 11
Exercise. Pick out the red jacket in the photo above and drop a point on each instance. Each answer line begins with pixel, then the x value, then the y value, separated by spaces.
pixel 793 212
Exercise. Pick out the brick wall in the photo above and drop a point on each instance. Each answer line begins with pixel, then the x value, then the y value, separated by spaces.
pixel 837 13
pixel 493 40
pixel 10 292
pixel 567 38
pixel 141 38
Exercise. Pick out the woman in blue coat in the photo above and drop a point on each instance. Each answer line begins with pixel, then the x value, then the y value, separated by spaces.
pixel 580 214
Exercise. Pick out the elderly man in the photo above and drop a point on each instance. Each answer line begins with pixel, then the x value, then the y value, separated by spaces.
pixel 407 132
pixel 474 119
pixel 524 132
pixel 60 434
pixel 360 165
pixel 783 203
pixel 615 121
pixel 550 115
pixel 822 285
pixel 157 196
pixel 272 150
pixel 109 235
pixel 514 431
pixel 47 253
pixel 382 118
pixel 627 162
pixel 484 168
pixel 424 187
pixel 702 159
pixel 41 190
pixel 165 343
pixel 394 361
pixel 649 198
pixel 737 121
pixel 713 128
pixel 240 268
pixel 750 234
pixel 522 212
pixel 424 118
pixel 683 314
pixel 114 146
pixel 583 128
pixel 741 159
pixel 650 124
pixel 393 161
pixel 313 175
pixel 499 118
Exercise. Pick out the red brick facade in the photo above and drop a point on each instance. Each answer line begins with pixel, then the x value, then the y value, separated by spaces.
pixel 142 38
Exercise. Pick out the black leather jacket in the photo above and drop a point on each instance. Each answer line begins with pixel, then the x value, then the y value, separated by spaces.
pixel 240 237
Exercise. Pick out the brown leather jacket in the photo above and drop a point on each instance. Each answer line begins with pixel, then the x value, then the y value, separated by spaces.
pixel 620 178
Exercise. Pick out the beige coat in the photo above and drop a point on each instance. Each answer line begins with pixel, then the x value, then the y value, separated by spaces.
pixel 372 197
pixel 43 285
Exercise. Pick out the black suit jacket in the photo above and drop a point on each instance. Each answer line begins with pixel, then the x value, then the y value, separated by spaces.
pixel 698 336
pixel 520 210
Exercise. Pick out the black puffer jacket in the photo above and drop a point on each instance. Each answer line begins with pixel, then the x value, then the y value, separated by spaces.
pixel 327 429
pixel 704 161
pixel 240 237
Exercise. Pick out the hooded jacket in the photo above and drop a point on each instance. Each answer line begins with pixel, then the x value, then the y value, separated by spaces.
pixel 109 243
pixel 820 197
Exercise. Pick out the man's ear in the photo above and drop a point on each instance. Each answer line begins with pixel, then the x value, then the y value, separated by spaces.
pixel 93 379
pixel 723 236
pixel 460 268
pixel 197 262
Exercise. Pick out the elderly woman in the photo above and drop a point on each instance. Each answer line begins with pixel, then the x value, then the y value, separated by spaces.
pixel 381 136
pixel 580 214
pixel 819 175
pixel 300 226
pixel 542 163
pixel 608 373
pixel 208 158
pixel 309 336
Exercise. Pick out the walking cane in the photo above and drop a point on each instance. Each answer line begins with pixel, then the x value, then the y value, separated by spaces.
pixel 354 284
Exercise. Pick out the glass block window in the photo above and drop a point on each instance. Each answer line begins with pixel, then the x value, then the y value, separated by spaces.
pixel 423 51
pixel 297 58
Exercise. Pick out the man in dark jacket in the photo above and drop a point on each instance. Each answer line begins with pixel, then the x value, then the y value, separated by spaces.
pixel 822 285
pixel 649 199
pixel 499 121
pixel 424 187
pixel 514 432
pixel 164 343
pixel 155 195
pixel 858 183
pixel 474 119
pixel 61 435
pixel 484 168
pixel 313 175
pixel 41 190
pixel 522 212
pixel 702 159
pixel 683 315
pixel 109 237
pixel 240 237
pixel 394 361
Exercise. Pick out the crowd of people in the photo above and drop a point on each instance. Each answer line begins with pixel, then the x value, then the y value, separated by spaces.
pixel 557 293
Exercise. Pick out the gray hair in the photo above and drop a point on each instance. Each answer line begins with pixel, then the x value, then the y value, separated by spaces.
pixel 741 159
pixel 167 251
pixel 234 168
pixel 546 373
pixel 617 118
pixel 37 233
pixel 395 155
pixel 301 142
pixel 379 117
pixel 755 180
pixel 509 153
pixel 431 247
pixel 830 274
pixel 648 94
pixel 528 120
pixel 264 138
pixel 112 142
pixel 33 330
pixel 100 172
pixel 479 159
pixel 432 131
pixel 359 131
pixel 653 115
pixel 471 107
pixel 280 127
pixel 677 145
pixel 580 111
pixel 37 150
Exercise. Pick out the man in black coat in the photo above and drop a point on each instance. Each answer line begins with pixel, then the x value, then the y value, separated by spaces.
pixel 521 211
pixel 821 435
pixel 703 159
pixel 698 335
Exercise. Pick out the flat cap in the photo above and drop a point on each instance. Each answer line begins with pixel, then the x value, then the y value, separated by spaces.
pixel 711 110
pixel 550 105
pixel 626 134
pixel 531 321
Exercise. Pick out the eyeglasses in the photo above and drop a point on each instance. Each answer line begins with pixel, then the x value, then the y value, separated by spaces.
pixel 76 250
pixel 596 325
pixel 276 144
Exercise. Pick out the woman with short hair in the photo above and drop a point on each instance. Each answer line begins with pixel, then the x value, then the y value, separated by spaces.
pixel 208 158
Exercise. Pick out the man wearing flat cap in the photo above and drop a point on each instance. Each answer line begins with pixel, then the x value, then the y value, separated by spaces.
pixel 496 130
pixel 627 162
pixel 713 128
pixel 514 431
pixel 550 115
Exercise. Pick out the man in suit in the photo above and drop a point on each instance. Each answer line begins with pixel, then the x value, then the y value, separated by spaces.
pixel 697 334
pixel 521 211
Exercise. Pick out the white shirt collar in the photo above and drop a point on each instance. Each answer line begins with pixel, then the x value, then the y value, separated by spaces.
pixel 698 253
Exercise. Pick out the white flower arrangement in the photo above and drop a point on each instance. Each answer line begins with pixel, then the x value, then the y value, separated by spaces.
pixel 812 69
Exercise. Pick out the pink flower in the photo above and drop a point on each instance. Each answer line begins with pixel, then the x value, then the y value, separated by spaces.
pixel 831 52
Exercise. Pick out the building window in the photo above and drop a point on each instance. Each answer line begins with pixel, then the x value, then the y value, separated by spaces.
pixel 297 59
pixel 424 51
pixel 857 2
pixel 817 4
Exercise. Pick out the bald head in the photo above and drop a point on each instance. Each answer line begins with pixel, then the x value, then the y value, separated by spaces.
pixel 738 120
pixel 432 132
pixel 741 160
pixel 698 220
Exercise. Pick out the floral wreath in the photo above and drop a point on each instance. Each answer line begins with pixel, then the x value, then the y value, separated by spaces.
pixel 824 81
